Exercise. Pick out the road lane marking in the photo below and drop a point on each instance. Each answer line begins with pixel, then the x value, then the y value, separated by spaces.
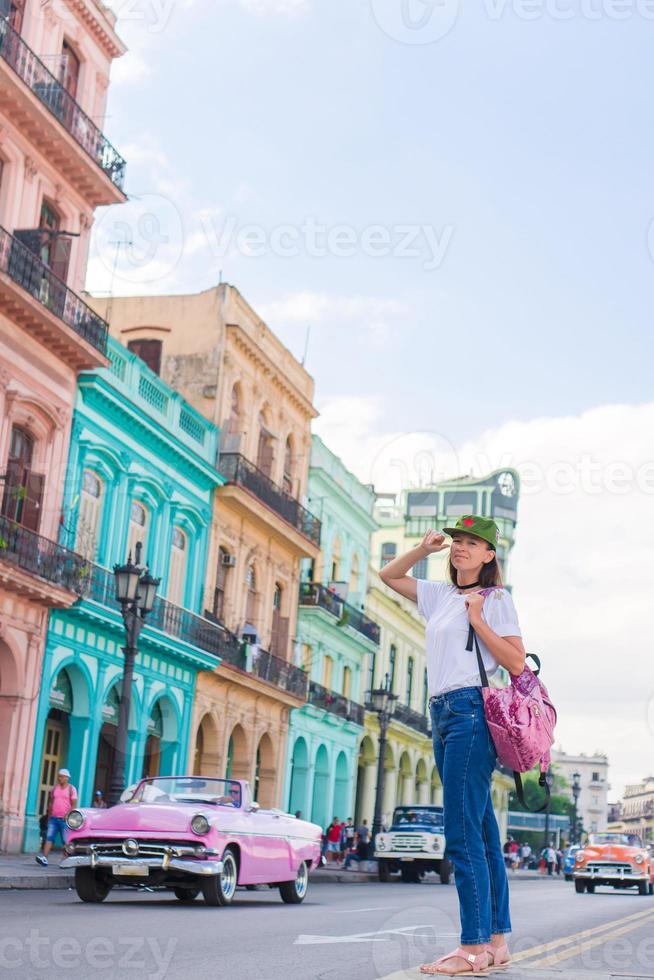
pixel 381 935
pixel 377 908
pixel 586 944
pixel 554 944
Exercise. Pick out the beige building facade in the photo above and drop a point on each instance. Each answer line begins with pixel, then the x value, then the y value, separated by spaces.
pixel 215 350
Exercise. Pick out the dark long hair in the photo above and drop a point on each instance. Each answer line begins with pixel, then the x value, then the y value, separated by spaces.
pixel 489 576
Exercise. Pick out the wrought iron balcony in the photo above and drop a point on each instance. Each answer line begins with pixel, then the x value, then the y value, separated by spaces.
pixel 315 594
pixel 204 634
pixel 32 553
pixel 414 719
pixel 28 271
pixel 52 94
pixel 239 470
pixel 336 704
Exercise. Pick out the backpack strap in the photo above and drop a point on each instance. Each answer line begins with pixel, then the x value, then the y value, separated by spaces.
pixel 542 779
pixel 519 792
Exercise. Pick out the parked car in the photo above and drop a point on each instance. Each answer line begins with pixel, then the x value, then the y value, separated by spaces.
pixel 190 835
pixel 415 843
pixel 569 861
pixel 615 859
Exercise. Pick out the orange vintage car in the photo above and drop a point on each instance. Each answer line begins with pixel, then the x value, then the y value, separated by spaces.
pixel 619 860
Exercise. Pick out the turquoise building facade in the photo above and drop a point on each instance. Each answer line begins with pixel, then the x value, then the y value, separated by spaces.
pixel 142 468
pixel 334 644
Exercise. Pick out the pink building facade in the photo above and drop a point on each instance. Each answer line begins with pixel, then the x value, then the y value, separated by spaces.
pixel 56 167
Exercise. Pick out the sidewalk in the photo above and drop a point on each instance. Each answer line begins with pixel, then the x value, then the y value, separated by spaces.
pixel 21 871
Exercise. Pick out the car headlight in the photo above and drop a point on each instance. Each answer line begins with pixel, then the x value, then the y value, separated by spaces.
pixel 200 824
pixel 639 858
pixel 381 844
pixel 75 819
pixel 436 845
pixel 579 856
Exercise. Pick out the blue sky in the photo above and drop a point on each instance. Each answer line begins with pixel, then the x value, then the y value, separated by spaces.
pixel 524 147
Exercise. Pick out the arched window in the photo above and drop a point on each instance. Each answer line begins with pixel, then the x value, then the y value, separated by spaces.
pixel 139 522
pixel 289 465
pixel 23 489
pixel 251 601
pixel 177 573
pixel 90 512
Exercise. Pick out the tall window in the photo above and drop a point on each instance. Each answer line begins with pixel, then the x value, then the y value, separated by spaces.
pixel 139 521
pixel 409 681
pixel 354 574
pixel 392 658
pixel 230 440
pixel 16 10
pixel 388 551
pixel 149 351
pixel 55 248
pixel 347 681
pixel 288 466
pixel 23 489
pixel 90 512
pixel 265 447
pixel 69 71
pixel 371 673
pixel 224 565
pixel 251 601
pixel 420 569
pixel 327 672
pixel 177 571
pixel 336 561
pixel 425 692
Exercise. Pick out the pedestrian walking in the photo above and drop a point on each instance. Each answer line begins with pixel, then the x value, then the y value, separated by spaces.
pixel 463 748
pixel 525 855
pixel 61 800
pixel 363 832
pixel 550 859
pixel 559 860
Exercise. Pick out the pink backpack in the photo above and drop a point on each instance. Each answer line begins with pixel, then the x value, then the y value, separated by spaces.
pixel 521 720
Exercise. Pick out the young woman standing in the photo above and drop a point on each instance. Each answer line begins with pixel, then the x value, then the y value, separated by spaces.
pixel 464 751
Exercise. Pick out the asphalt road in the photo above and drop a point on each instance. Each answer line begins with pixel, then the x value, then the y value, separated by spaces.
pixel 341 932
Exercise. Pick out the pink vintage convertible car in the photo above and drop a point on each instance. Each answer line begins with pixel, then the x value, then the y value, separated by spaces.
pixel 190 834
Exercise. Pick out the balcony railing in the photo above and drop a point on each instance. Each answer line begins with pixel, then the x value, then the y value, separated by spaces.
pixel 315 594
pixel 60 103
pixel 202 633
pixel 28 271
pixel 336 704
pixel 39 556
pixel 237 469
pixel 414 719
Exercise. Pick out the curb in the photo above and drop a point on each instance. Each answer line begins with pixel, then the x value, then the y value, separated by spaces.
pixel 34 882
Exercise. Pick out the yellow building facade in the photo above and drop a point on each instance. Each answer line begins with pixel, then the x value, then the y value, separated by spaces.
pixel 215 350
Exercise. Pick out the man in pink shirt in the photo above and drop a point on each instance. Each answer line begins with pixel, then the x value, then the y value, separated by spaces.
pixel 62 799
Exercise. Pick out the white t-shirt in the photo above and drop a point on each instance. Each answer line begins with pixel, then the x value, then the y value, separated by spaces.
pixel 449 664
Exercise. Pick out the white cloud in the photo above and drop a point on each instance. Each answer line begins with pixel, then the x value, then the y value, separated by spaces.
pixel 128 69
pixel 580 567
pixel 309 307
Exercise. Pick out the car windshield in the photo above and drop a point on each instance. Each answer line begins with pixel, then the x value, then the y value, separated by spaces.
pixel 188 789
pixel 630 840
pixel 407 815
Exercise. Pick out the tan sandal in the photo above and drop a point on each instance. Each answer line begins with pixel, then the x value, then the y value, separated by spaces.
pixel 476 967
pixel 501 959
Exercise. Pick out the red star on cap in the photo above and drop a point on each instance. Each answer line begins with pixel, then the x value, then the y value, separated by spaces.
pixel 468 521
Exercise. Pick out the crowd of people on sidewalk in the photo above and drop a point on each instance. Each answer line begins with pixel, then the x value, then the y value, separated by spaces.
pixel 549 859
pixel 343 844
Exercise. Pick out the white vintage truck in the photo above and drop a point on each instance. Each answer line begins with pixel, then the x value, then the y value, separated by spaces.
pixel 415 843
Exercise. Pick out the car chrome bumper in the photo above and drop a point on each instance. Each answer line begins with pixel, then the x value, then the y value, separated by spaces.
pixel 408 856
pixel 188 866
pixel 611 876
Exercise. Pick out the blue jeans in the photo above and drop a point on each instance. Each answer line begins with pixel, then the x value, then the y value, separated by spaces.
pixel 56 826
pixel 465 758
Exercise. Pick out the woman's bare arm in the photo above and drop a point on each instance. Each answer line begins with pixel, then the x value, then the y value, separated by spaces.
pixel 394 574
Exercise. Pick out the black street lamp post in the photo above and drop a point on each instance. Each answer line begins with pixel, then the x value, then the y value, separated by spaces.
pixel 382 701
pixel 136 591
pixel 576 789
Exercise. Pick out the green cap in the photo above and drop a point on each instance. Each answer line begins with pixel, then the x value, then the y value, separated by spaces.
pixel 479 527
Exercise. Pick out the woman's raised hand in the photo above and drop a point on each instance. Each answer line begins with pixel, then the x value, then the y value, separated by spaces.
pixel 433 541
